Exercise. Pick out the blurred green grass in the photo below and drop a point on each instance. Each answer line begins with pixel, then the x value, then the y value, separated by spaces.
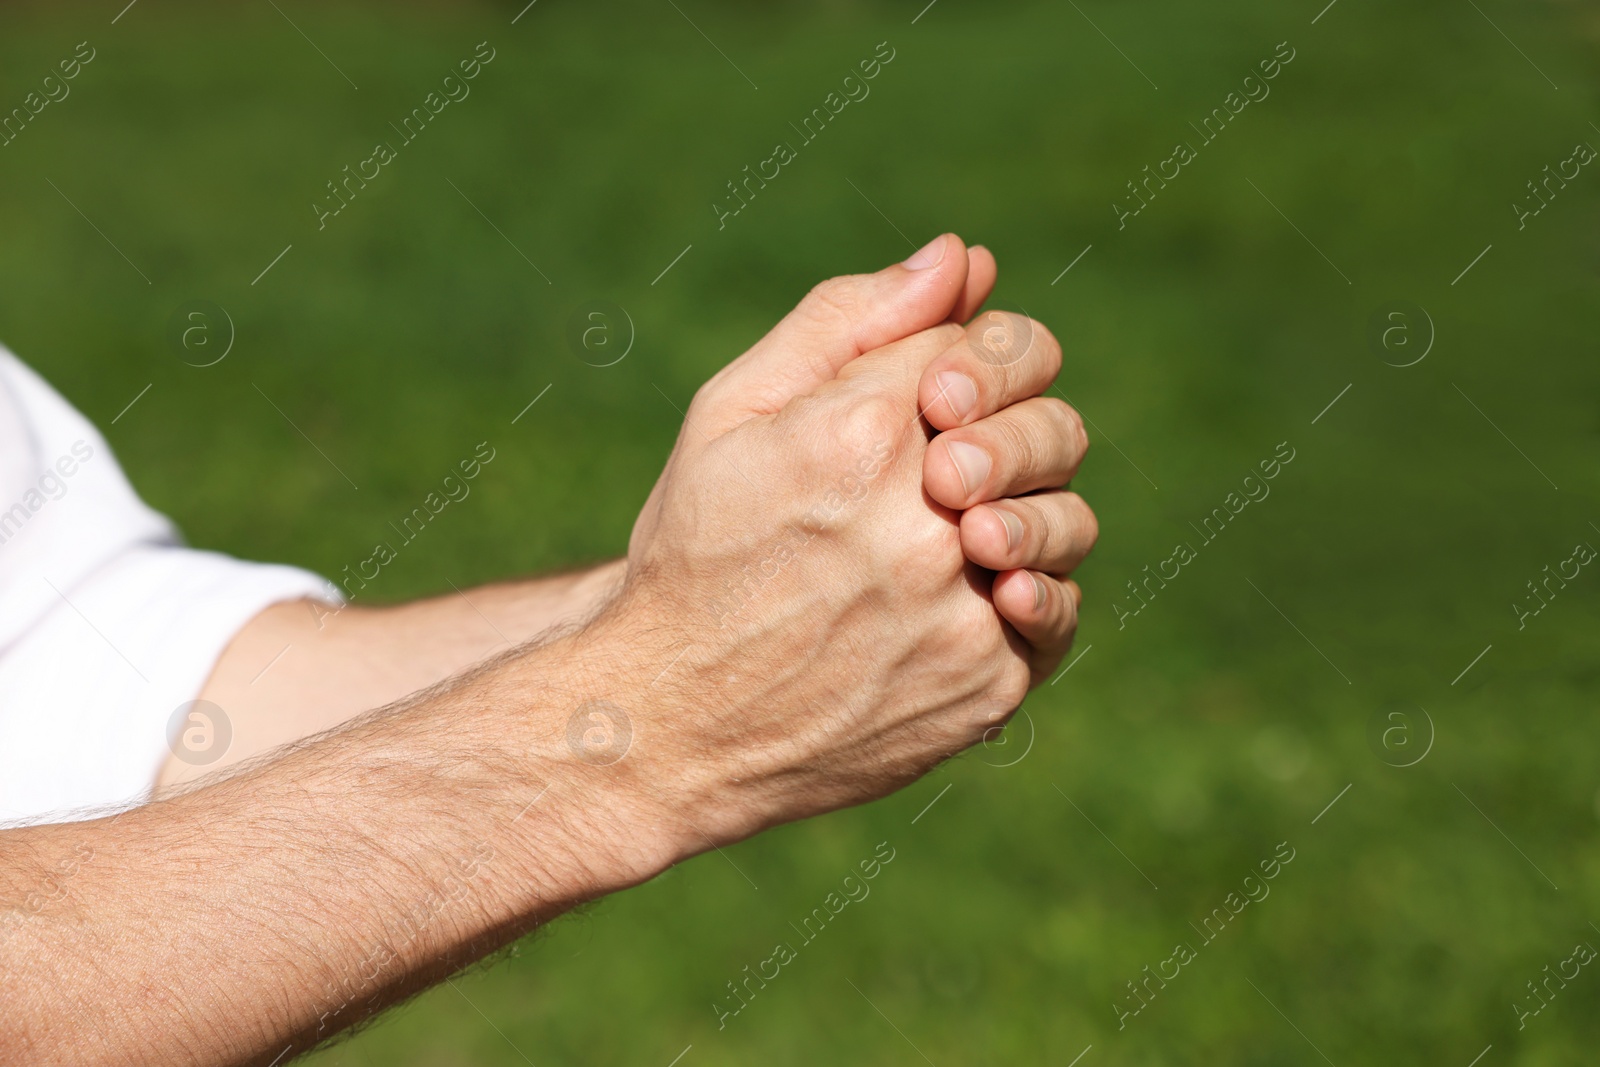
pixel 1196 339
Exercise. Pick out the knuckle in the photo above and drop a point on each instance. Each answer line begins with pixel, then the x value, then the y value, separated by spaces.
pixel 1079 434
pixel 1056 410
pixel 1015 343
pixel 1064 422
pixel 924 560
pixel 834 300
pixel 867 424
pixel 1069 629
pixel 1088 524
pixel 930 543
pixel 1058 434
pixel 1064 619
pixel 1053 531
pixel 1000 338
pixel 708 397
pixel 1046 346
pixel 1027 442
pixel 972 633
pixel 1011 688
pixel 947 338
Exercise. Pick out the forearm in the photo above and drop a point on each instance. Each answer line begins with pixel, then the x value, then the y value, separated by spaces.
pixel 780 650
pixel 303 667
pixel 463 627
pixel 294 898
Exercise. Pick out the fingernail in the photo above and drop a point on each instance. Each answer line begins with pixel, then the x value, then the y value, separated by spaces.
pixel 1040 593
pixel 1013 527
pixel 972 464
pixel 959 392
pixel 929 255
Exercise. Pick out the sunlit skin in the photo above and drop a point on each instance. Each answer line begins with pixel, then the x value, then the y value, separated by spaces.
pixel 344 858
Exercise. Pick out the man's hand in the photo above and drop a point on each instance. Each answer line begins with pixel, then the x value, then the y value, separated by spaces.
pixel 794 575
pixel 328 666
pixel 798 630
pixel 1017 447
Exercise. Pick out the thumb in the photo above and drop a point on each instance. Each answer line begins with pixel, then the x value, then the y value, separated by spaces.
pixel 840 319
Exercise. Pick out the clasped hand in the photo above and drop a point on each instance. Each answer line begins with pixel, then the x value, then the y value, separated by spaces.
pixel 856 559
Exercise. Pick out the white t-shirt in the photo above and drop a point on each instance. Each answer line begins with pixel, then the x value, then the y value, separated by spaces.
pixel 108 623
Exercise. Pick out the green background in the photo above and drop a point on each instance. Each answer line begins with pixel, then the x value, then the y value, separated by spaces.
pixel 1218 723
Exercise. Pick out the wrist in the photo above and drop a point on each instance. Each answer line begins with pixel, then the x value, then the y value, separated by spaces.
pixel 593 724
